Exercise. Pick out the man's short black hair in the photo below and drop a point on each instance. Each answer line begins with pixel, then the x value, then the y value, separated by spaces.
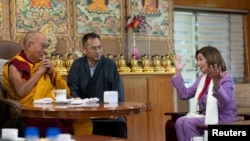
pixel 87 36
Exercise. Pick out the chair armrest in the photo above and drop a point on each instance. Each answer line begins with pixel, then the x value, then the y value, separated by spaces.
pixel 238 122
pixel 12 103
pixel 246 116
pixel 175 115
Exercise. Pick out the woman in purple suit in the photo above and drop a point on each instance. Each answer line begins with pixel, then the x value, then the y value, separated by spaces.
pixel 213 93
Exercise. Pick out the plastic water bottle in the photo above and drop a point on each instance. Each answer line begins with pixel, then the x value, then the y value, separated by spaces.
pixel 32 134
pixel 52 133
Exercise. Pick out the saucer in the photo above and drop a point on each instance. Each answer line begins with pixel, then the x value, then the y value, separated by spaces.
pixel 20 139
pixel 62 101
pixel 43 101
pixel 76 102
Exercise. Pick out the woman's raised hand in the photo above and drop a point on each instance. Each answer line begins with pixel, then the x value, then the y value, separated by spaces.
pixel 178 64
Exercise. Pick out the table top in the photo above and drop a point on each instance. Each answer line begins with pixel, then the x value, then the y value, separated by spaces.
pixel 96 138
pixel 94 110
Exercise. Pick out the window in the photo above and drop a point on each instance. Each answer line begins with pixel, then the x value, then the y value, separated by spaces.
pixel 184 43
pixel 193 30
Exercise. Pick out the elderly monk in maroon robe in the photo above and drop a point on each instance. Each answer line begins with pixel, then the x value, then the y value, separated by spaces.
pixel 28 77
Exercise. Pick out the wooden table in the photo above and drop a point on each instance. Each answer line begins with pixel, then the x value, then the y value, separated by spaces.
pixel 96 138
pixel 95 110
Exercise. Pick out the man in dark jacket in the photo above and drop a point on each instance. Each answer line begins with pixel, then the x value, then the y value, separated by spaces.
pixel 90 76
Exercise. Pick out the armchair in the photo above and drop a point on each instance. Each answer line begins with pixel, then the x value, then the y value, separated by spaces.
pixel 9 119
pixel 8 49
pixel 242 99
pixel 170 133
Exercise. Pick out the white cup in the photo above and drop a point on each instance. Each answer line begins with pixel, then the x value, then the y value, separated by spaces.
pixel 10 134
pixel 197 138
pixel 64 137
pixel 60 94
pixel 110 97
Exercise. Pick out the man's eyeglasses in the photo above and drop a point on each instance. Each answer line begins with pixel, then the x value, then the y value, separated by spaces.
pixel 95 48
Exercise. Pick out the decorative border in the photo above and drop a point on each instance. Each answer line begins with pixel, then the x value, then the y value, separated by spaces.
pixel 32 14
pixel 1 14
pixel 101 16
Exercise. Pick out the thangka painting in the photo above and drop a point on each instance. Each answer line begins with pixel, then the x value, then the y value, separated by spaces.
pixel 149 17
pixel 35 14
pixel 1 14
pixel 100 16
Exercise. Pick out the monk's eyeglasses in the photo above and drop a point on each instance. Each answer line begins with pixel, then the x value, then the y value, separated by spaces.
pixel 43 45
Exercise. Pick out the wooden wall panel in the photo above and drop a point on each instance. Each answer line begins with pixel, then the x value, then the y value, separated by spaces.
pixel 156 91
pixel 189 2
pixel 238 4
pixel 161 98
pixel 216 3
pixel 136 90
pixel 228 4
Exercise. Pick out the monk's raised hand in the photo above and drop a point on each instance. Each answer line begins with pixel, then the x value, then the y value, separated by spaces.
pixel 48 65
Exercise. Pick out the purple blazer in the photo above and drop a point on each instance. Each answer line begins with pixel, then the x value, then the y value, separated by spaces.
pixel 224 95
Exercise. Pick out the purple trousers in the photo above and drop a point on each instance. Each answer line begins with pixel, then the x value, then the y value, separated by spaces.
pixel 186 127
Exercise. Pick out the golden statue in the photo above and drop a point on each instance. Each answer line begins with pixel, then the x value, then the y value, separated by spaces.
pixel 157 64
pixel 60 65
pixel 51 38
pixel 169 67
pixel 134 65
pixel 110 56
pixel 69 61
pixel 146 64
pixel 53 60
pixel 164 62
pixel 122 64
pixel 116 60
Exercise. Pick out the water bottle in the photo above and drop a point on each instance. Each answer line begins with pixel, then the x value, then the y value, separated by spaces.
pixel 32 134
pixel 52 133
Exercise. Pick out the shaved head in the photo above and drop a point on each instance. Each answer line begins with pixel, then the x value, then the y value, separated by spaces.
pixel 30 35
